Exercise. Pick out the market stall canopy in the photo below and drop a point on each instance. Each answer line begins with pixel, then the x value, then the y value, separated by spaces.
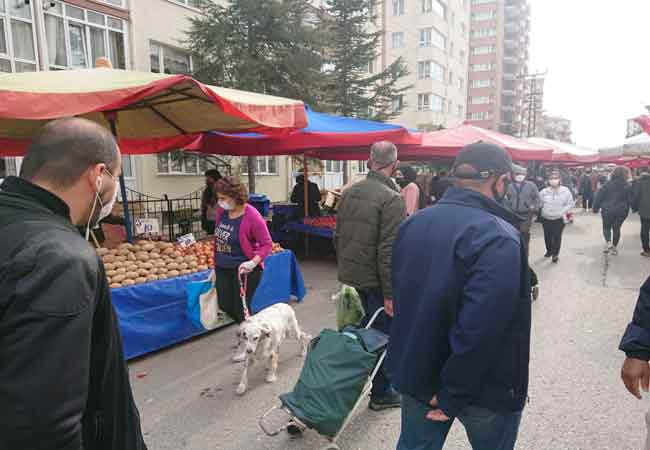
pixel 326 136
pixel 637 146
pixel 154 112
pixel 447 143
pixel 567 152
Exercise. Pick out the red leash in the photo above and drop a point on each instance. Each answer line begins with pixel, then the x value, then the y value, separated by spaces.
pixel 243 288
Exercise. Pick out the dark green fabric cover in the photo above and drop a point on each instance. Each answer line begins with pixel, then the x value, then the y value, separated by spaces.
pixel 335 372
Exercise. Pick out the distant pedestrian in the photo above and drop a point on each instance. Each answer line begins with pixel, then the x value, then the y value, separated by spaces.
pixel 313 198
pixel 209 201
pixel 636 345
pixel 641 204
pixel 585 189
pixel 461 334
pixel 406 177
pixel 523 199
pixel 613 200
pixel 557 201
pixel 368 217
pixel 439 185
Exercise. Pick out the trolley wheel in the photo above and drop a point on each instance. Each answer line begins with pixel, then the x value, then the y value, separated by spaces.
pixel 294 428
pixel 331 446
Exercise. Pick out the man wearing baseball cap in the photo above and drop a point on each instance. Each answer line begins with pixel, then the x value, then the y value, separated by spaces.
pixel 460 338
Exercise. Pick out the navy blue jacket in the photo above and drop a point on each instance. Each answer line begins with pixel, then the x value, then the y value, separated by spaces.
pixel 462 303
pixel 636 340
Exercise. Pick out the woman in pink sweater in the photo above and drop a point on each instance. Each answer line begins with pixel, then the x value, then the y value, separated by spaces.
pixel 406 176
pixel 241 243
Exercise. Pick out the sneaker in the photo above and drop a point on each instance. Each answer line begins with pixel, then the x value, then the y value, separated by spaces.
pixel 390 400
pixel 607 248
pixel 613 251
pixel 645 254
pixel 556 259
pixel 535 292
pixel 547 255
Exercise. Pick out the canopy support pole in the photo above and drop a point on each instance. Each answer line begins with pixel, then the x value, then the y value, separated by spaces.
pixel 125 201
pixel 305 173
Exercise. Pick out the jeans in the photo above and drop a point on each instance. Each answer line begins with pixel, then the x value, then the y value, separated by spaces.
pixel 645 233
pixel 588 200
pixel 486 430
pixel 612 225
pixel 373 299
pixel 553 235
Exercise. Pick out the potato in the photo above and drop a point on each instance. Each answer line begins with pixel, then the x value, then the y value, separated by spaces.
pixel 193 265
pixel 173 273
pixel 118 279
pixel 185 272
pixel 168 251
pixel 143 272
pixel 161 263
pixel 120 270
pixel 190 258
pixel 148 247
pixel 123 252
pixel 151 278
pixel 113 252
pixel 110 273
pixel 125 245
pixel 142 256
pixel 109 266
pixel 116 285
pixel 162 276
pixel 162 270
pixel 183 266
pixel 108 258
pixel 128 282
pixel 146 265
pixel 132 275
pixel 172 266
pixel 141 242
pixel 203 267
pixel 140 280
pixel 102 251
pixel 131 257
pixel 176 255
pixel 121 258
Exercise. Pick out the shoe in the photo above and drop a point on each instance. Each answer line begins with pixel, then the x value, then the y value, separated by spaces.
pixel 613 251
pixel 535 292
pixel 547 255
pixel 556 259
pixel 390 400
pixel 645 254
pixel 607 248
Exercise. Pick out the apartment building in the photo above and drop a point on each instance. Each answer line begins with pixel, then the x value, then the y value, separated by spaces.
pixel 432 36
pixel 498 61
pixel 556 128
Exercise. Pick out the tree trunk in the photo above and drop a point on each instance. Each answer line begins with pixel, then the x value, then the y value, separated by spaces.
pixel 345 173
pixel 252 167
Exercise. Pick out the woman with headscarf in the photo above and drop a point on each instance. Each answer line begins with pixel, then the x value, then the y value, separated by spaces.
pixel 613 201
pixel 406 176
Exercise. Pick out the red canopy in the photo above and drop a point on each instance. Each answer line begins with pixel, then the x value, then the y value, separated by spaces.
pixel 447 143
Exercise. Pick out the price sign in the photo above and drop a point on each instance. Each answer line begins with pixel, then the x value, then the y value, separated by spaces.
pixel 187 240
pixel 147 226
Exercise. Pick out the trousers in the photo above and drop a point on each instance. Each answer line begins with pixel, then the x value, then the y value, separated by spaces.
pixel 645 233
pixel 228 291
pixel 612 226
pixel 553 235
pixel 372 299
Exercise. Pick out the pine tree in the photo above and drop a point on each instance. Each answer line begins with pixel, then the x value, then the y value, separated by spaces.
pixel 353 46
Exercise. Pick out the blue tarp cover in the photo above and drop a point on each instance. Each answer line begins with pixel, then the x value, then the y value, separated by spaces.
pixel 153 316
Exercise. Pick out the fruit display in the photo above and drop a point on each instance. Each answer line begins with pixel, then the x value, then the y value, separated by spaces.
pixel 277 248
pixel 321 222
pixel 147 261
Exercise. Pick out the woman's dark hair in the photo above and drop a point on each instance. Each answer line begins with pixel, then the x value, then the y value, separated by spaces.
pixel 410 175
pixel 620 173
pixel 213 173
pixel 233 188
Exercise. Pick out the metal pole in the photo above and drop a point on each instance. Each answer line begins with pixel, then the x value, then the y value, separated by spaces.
pixel 305 183
pixel 125 200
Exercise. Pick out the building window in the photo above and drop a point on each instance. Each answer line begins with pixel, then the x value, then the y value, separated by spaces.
pixel 399 7
pixel 180 163
pixel 481 67
pixel 460 110
pixel 398 39
pixel 17 49
pixel 333 166
pixel 461 83
pixel 76 37
pixel 429 102
pixel 483 50
pixel 431 36
pixel 118 3
pixel 430 70
pixel 450 105
pixel 482 2
pixel 478 84
pixel 191 3
pixel 165 59
pixel 462 56
pixel 451 49
pixel 483 100
pixel 484 32
pixel 463 28
pixel 397 103
pixel 362 167
pixel 266 165
pixel 371 66
pixel 436 6
pixel 480 16
pixel 482 115
pixel 450 81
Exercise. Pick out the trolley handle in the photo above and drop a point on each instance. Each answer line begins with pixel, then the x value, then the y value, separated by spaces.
pixel 374 317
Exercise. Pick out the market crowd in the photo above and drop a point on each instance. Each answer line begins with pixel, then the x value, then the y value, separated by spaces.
pixel 454 280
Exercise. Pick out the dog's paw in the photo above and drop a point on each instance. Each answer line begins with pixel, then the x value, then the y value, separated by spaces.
pixel 241 389
pixel 271 378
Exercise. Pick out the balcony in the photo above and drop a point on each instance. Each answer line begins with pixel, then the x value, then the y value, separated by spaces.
pixel 508 93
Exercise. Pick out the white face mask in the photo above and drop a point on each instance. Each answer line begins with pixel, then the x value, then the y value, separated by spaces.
pixel 106 209
pixel 554 183
pixel 520 178
pixel 225 205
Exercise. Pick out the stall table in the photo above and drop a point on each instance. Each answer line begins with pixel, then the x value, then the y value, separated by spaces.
pixel 153 316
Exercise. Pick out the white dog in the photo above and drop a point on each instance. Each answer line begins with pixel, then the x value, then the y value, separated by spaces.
pixel 262 335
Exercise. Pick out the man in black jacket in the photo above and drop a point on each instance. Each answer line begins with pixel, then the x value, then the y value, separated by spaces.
pixel 64 384
pixel 641 204
pixel 636 345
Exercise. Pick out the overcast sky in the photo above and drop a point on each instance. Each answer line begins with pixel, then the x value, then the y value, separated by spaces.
pixel 597 61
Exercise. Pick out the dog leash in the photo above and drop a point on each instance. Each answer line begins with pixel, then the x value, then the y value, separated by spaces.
pixel 243 288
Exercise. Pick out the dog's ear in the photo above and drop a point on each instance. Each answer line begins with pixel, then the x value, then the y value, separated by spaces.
pixel 266 331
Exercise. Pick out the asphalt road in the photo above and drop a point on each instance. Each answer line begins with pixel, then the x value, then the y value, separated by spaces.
pixel 577 401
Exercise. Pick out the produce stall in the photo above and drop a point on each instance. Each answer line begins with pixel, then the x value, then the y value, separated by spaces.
pixel 317 226
pixel 152 305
